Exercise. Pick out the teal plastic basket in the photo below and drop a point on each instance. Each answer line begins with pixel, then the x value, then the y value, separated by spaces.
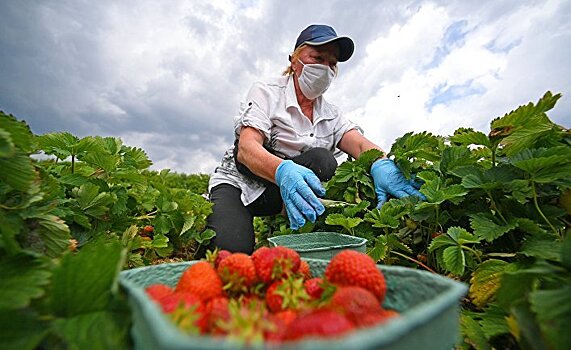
pixel 428 304
pixel 319 245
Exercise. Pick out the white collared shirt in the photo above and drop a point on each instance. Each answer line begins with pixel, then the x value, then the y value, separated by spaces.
pixel 272 108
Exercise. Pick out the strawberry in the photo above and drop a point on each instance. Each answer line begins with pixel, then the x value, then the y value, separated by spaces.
pixel 217 311
pixel 202 280
pixel 313 287
pixel 237 272
pixel 248 322
pixel 280 320
pixel 186 311
pixel 354 302
pixel 158 290
pixel 372 319
pixel 172 301
pixel 275 263
pixel 216 256
pixel 318 323
pixel 304 270
pixel 351 267
pixel 286 294
pixel 148 230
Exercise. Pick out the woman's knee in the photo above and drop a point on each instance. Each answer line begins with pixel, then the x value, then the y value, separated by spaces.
pixel 320 160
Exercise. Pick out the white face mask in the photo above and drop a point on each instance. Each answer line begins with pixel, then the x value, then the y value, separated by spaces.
pixel 315 79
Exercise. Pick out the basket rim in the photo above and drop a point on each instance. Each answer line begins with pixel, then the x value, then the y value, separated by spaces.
pixel 359 241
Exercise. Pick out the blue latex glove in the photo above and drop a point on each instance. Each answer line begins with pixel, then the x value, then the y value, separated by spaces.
pixel 298 187
pixel 389 180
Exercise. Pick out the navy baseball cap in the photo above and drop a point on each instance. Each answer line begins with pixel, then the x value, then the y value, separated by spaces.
pixel 320 34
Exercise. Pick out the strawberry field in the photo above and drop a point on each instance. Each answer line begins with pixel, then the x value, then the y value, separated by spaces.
pixel 75 212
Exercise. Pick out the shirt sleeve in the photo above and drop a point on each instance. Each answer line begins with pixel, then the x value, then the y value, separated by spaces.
pixel 344 124
pixel 255 110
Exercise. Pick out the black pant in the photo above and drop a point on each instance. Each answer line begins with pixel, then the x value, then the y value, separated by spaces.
pixel 233 222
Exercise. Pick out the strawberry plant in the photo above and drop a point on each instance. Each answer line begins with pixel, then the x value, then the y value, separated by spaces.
pixel 496 216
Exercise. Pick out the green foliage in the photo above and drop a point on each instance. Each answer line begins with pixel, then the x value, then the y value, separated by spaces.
pixel 496 216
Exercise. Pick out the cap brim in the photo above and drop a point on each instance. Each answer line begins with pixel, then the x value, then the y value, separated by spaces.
pixel 346 46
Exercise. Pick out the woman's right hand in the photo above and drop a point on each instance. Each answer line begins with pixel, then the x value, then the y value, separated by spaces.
pixel 299 188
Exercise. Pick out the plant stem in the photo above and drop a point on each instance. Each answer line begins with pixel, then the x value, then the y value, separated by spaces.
pixel 495 207
pixel 476 254
pixel 72 163
pixel 413 260
pixel 539 209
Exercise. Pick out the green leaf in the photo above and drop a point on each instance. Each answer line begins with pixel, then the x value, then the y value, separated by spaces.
pixel 544 246
pixel 95 330
pixel 91 200
pixel 136 158
pixel 437 192
pixel 487 179
pixel 545 165
pixel 160 241
pixel 380 249
pixel 22 330
pixel 20 135
pixel 485 281
pixel 494 322
pixel 17 171
pixel 461 236
pixel 341 220
pixel 486 226
pixel 472 330
pixel 22 278
pixel 7 147
pixel 440 242
pixel 553 310
pixel 523 127
pixel 55 234
pixel 454 260
pixel 59 144
pixel 529 331
pixel 468 137
pixel 84 282
pixel 454 157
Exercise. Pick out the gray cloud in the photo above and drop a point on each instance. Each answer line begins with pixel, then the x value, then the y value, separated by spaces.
pixel 168 77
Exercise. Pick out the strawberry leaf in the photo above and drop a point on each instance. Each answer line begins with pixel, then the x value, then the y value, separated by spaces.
pixel 22 278
pixel 454 260
pixel 485 281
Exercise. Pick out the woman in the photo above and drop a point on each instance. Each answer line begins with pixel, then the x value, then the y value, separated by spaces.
pixel 286 136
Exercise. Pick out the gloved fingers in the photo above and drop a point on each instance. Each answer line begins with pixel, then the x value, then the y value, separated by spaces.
pixel 295 217
pixel 309 197
pixel 314 183
pixel 400 193
pixel 414 192
pixel 304 207
pixel 382 197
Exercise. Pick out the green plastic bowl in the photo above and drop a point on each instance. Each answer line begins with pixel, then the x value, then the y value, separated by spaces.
pixel 319 245
pixel 428 304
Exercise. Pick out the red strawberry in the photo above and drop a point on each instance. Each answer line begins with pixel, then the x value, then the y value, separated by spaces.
pixel 202 280
pixel 354 302
pixel 186 311
pixel 313 287
pixel 318 323
pixel 275 263
pixel 280 321
pixel 172 301
pixel 304 270
pixel 223 254
pixel 351 267
pixel 376 318
pixel 238 272
pixel 158 290
pixel 217 311
pixel 286 294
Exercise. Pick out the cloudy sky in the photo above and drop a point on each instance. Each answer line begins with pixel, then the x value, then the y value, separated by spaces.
pixel 168 76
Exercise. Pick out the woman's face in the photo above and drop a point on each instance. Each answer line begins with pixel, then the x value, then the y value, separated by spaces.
pixel 325 54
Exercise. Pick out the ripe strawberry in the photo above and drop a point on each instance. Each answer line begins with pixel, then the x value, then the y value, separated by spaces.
pixel 158 290
pixel 275 263
pixel 280 321
pixel 217 311
pixel 237 272
pixel 202 280
pixel 318 323
pixel 148 229
pixel 304 270
pixel 186 311
pixel 286 294
pixel 372 319
pixel 313 287
pixel 354 302
pixel 351 267
pixel 172 301
pixel 223 254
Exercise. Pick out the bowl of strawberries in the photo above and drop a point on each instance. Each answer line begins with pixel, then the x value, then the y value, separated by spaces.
pixel 275 299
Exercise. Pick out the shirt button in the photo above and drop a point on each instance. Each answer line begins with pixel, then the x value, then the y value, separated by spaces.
pixel 311 135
